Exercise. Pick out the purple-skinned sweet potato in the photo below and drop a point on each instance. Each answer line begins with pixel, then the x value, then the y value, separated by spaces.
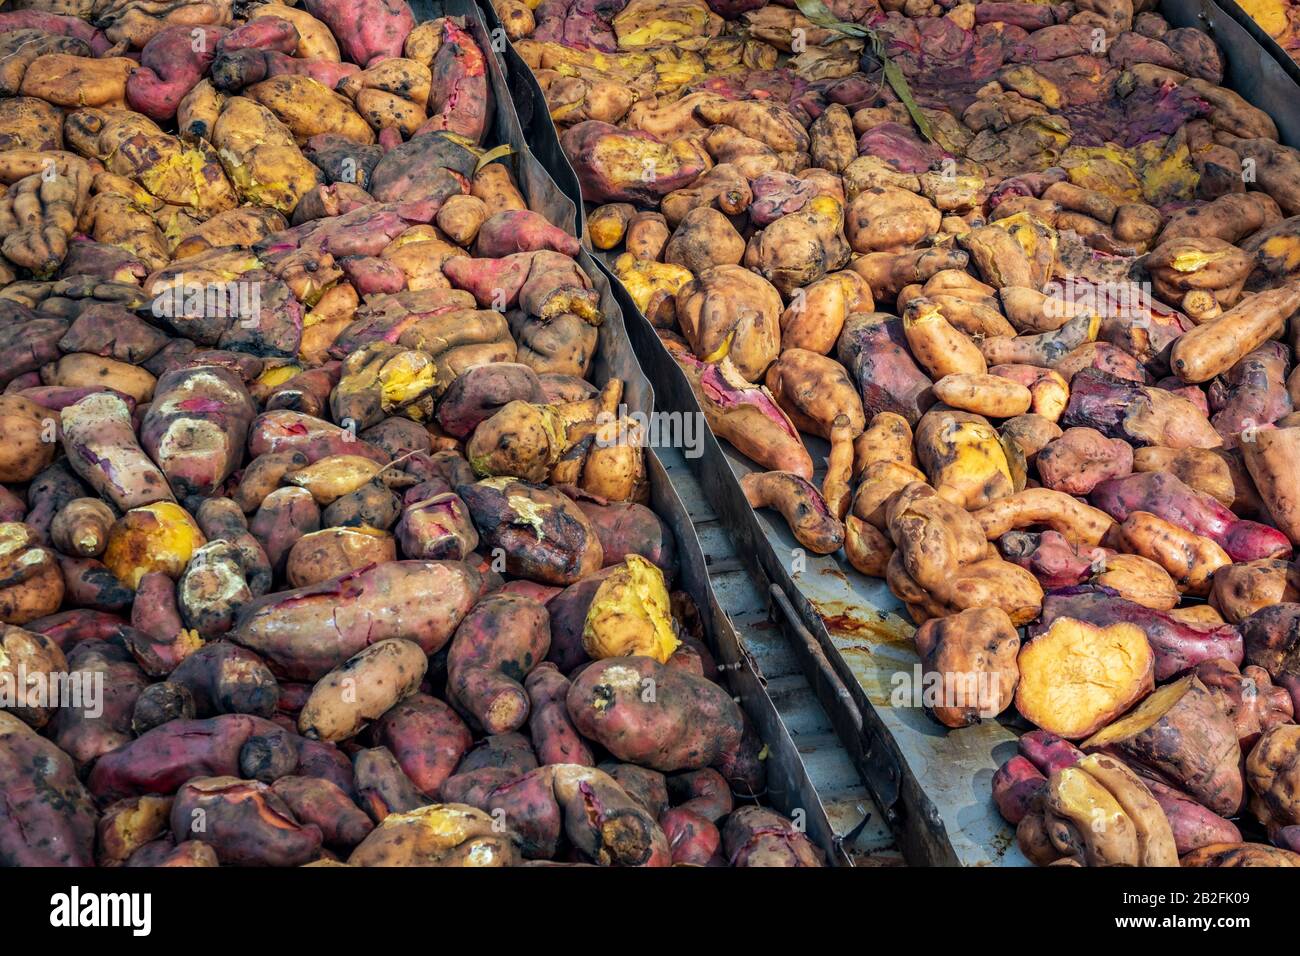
pixel 757 836
pixel 222 520
pixel 1194 826
pixel 28 340
pixel 162 759
pixel 745 414
pixel 460 100
pixel 705 792
pixel 52 490
pixel 224 678
pixel 495 646
pixel 874 350
pixel 244 821
pixel 1178 646
pixel 100 442
pixel 426 737
pixel 1272 640
pixel 542 533
pixel 1250 394
pixel 693 840
pixel 111 331
pixel 49 818
pixel 522 230
pixel 307 632
pixel 1016 785
pixel 171 64
pixel 604 822
pixel 322 804
pixel 366 30
pixel 555 739
pixel 1164 495
pixel 689 725
pixel 196 427
pixel 159 703
pixel 629 528
pixel 494 760
pixel 437 528
pixel 382 786
pixel 160 640
pixel 88 583
pixel 285 516
pixel 480 392
pixel 1140 414
pixel 93 727
pixel 284 430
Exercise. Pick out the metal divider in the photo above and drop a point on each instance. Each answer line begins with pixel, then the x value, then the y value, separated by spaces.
pixel 789 786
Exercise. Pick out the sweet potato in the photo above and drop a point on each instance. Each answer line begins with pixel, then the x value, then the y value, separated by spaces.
pixel 1248 697
pixel 757 836
pixel 555 738
pixel 689 724
pixel 30 438
pixel 31 578
pixel 806 513
pixel 1076 677
pixel 322 804
pixel 427 739
pixel 445 834
pixel 1266 457
pixel 51 819
pixel 80 528
pixel 361 689
pixel 162 759
pixel 492 651
pixel 159 703
pixel 1240 854
pixel 196 427
pixel 101 447
pixel 244 822
pixel 306 632
pixel 1180 734
pixel 223 678
pixel 1178 645
pixel 542 533
pixel 974 655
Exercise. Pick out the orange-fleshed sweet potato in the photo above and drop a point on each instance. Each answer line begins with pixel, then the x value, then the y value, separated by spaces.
pixel 1076 677
pixel 646 713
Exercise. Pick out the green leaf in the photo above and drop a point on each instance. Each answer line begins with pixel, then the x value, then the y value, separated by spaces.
pixel 898 83
pixel 817 12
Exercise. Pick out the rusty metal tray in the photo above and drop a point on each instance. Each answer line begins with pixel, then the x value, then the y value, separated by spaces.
pixel 790 788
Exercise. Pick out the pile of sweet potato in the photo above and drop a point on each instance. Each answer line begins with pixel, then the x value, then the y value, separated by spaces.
pixel 317 545
pixel 1041 301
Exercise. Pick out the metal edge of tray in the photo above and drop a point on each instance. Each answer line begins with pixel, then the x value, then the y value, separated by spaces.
pixel 933 786
pixel 1254 64
pixel 789 787
pixel 1233 9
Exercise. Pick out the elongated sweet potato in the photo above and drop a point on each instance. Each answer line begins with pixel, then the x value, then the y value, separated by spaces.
pixel 307 632
pixel 494 647
pixel 244 822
